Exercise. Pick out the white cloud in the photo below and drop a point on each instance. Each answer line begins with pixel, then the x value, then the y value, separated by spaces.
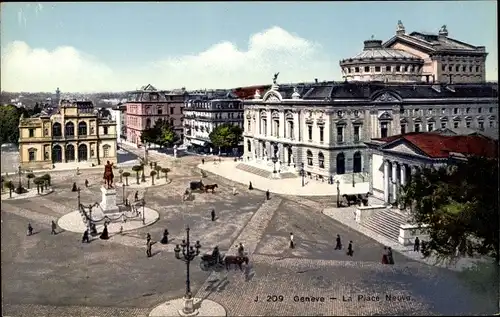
pixel 221 66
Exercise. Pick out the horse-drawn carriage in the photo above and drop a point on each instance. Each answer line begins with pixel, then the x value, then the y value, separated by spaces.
pixel 198 185
pixel 215 260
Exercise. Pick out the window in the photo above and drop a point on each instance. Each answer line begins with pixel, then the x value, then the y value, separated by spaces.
pixel 46 156
pixel 340 134
pixel 159 110
pixel 404 68
pixel 403 128
pixel 290 130
pixel 443 67
pixel 450 68
pixel 443 125
pixel 377 68
pixel 70 129
pixel 31 133
pixel 356 69
pixel 430 127
pixel 56 129
pixel 171 110
pixel 477 69
pixel 387 68
pixel 463 68
pixel 467 124
pixel 383 130
pixel 455 124
pixel 398 68
pixel 457 68
pixel 45 132
pixel 309 158
pixel 470 69
pixel 455 110
pixel 249 125
pixel 417 127
pixel 490 109
pixel 479 110
pixel 416 112
pixel 321 136
pixel 467 110
pixel 32 155
pixel 356 133
pixel 443 110
pixel 310 132
pixel 105 150
pixel 82 128
pixel 492 124
pixel 105 130
pixel 321 160
pixel 481 125
pixel 367 69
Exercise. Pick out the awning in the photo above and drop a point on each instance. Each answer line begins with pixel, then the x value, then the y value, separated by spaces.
pixel 199 142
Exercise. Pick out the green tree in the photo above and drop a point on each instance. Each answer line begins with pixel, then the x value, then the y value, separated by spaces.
pixel 161 133
pixel 39 182
pixel 47 178
pixel 126 175
pixel 9 123
pixel 226 136
pixel 137 169
pixel 165 171
pixel 158 170
pixel 152 174
pixel 460 206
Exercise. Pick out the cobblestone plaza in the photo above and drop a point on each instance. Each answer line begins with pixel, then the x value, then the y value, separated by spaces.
pixel 57 275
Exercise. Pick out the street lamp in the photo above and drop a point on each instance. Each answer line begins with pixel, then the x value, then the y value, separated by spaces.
pixel 143 217
pixel 123 193
pixel 188 254
pixel 338 193
pixel 353 182
pixel 19 174
pixel 274 159
pixel 302 173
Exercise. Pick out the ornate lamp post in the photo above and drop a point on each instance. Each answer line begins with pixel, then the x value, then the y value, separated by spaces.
pixel 188 254
pixel 338 193
pixel 302 173
pixel 274 159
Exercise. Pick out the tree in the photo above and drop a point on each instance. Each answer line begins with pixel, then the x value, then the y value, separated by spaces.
pixel 161 133
pixel 47 178
pixel 126 175
pixel 158 170
pixel 226 136
pixel 152 174
pixel 165 170
pixel 9 185
pixel 38 181
pixel 9 123
pixel 137 169
pixel 460 206
pixel 30 176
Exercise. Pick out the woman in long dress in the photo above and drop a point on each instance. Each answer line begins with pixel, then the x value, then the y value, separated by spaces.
pixel 104 234
pixel 385 259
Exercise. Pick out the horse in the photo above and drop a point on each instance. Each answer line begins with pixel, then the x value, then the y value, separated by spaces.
pixel 211 187
pixel 235 259
pixel 351 199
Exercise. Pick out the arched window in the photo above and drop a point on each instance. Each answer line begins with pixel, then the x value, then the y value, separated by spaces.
pixel 70 129
pixel 82 152
pixel 340 163
pixel 70 152
pixel 32 154
pixel 249 146
pixel 56 129
pixel 105 150
pixel 321 160
pixel 82 128
pixel 356 167
pixel 309 158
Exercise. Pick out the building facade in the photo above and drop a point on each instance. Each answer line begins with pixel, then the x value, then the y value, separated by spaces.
pixel 118 114
pixel 446 60
pixel 147 105
pixel 205 112
pixel 394 159
pixel 74 132
pixel 323 126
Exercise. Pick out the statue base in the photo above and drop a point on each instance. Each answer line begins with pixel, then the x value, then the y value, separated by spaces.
pixel 108 203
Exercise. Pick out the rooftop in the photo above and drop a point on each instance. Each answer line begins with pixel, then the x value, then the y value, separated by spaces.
pixel 373 49
pixel 440 146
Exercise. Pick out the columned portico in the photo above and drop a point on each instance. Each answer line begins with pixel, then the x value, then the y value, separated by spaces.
pixel 386 181
pixel 394 180
pixel 395 176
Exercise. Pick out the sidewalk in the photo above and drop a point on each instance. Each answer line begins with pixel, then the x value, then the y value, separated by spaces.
pixel 288 186
pixel 346 217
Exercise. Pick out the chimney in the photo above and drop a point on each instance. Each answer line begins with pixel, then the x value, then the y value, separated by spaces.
pixel 316 80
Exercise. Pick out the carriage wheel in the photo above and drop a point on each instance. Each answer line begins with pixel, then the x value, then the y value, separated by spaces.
pixel 204 265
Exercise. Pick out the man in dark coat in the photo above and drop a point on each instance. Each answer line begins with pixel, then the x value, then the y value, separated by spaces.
pixel 389 255
pixel 250 186
pixel 30 229
pixel 416 245
pixel 212 213
pixel 350 251
pixel 268 194
pixel 292 245
pixel 164 240
pixel 338 245
pixel 54 227
pixel 85 237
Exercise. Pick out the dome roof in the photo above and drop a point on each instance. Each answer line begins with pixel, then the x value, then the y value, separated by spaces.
pixel 373 50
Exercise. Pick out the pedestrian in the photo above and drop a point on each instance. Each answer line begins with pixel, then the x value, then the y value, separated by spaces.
pixel 212 213
pixel 291 241
pixel 390 258
pixel 416 245
pixel 149 245
pixel 136 196
pixel 93 229
pixel 104 234
pixel 86 183
pixel 30 230
pixel 241 250
pixel 54 227
pixel 85 237
pixel 77 171
pixel 74 188
pixel 234 191
pixel 423 247
pixel 250 186
pixel 148 237
pixel 203 161
pixel 164 240
pixel 350 252
pixel 268 194
pixel 338 245
pixel 385 258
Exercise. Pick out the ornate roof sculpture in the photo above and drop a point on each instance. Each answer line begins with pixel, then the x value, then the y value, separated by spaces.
pixel 378 63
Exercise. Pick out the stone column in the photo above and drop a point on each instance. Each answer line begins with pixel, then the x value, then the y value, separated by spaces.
pixel 386 181
pixel 370 178
pixel 403 174
pixel 394 181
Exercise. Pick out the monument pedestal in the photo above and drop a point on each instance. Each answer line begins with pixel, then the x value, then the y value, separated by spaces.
pixel 108 203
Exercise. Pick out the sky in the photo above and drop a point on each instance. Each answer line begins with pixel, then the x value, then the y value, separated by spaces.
pixel 105 47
